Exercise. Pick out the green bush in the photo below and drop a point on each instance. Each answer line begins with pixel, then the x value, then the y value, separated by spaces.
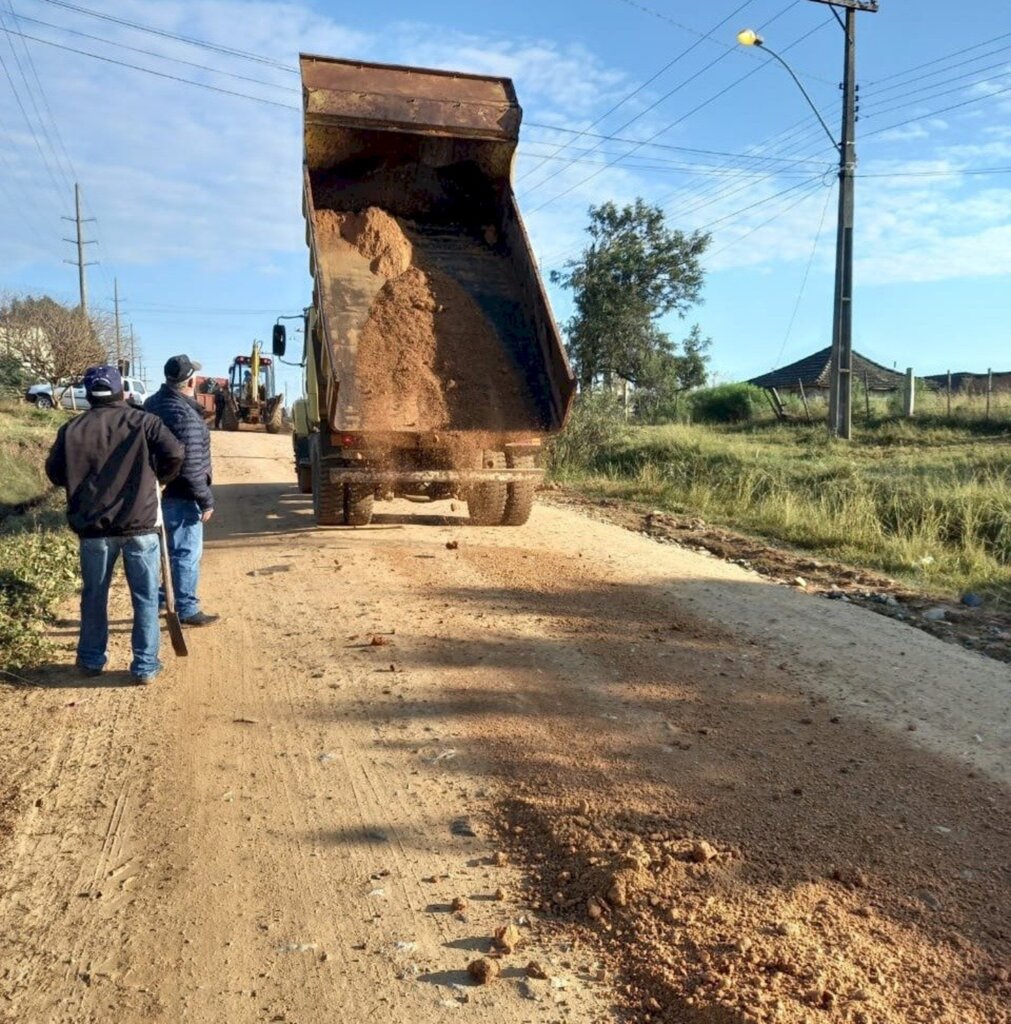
pixel 597 421
pixel 13 377
pixel 728 403
pixel 38 570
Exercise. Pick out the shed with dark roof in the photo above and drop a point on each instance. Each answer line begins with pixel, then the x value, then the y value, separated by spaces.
pixel 814 373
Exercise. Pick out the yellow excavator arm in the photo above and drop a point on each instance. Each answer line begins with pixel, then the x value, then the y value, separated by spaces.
pixel 253 393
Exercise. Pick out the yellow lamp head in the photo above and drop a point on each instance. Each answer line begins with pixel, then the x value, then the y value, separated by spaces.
pixel 749 37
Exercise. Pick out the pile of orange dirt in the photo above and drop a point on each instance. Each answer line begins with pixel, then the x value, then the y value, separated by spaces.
pixel 428 357
pixel 374 233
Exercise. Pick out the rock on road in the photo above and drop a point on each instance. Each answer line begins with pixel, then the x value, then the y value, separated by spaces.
pixel 277 828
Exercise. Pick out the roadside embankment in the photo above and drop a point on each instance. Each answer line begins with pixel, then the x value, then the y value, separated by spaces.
pixel 38 564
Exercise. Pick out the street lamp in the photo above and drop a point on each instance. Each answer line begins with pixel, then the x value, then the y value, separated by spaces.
pixel 840 413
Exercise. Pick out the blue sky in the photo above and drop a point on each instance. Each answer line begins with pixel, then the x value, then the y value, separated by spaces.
pixel 197 192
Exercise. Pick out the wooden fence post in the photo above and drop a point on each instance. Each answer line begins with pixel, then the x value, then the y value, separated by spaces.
pixel 910 395
pixel 803 398
pixel 989 392
pixel 867 396
pixel 949 394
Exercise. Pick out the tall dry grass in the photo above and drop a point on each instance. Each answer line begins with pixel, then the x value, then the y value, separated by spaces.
pixel 922 500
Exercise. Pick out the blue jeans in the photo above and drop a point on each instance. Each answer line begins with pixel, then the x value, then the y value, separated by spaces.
pixel 186 544
pixel 141 562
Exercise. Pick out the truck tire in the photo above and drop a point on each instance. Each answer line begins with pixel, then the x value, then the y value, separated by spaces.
pixel 358 505
pixel 486 503
pixel 519 495
pixel 327 498
pixel 304 476
pixel 275 418
pixel 230 417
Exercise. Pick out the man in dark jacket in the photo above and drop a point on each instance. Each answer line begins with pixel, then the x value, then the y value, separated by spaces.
pixel 111 460
pixel 188 502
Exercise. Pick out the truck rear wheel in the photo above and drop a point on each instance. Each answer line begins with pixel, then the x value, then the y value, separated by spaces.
pixel 357 505
pixel 519 495
pixel 486 503
pixel 327 498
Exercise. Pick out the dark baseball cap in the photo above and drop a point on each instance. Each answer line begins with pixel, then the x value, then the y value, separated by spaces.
pixel 103 381
pixel 180 368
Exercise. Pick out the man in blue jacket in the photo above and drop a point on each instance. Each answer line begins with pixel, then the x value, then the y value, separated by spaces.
pixel 111 460
pixel 187 502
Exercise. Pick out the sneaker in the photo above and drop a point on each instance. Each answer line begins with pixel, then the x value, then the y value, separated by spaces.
pixel 87 670
pixel 200 619
pixel 147 677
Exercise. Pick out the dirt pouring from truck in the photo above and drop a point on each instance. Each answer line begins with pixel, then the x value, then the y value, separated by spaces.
pixel 429 358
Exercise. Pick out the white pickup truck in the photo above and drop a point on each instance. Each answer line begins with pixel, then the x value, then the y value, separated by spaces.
pixel 72 395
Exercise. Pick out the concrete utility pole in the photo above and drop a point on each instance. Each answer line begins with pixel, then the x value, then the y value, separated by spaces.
pixel 115 304
pixel 80 242
pixel 840 388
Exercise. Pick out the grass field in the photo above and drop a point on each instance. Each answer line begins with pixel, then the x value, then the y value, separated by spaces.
pixel 927 501
pixel 38 555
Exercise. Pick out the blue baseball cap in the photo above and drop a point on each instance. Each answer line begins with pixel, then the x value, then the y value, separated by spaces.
pixel 103 381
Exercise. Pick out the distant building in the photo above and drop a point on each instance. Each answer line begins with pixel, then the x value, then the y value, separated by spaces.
pixel 814 373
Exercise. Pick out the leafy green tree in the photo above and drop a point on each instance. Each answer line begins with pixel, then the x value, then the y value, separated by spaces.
pixel 635 271
pixel 665 376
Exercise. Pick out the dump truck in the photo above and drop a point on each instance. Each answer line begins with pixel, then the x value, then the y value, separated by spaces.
pixel 433 368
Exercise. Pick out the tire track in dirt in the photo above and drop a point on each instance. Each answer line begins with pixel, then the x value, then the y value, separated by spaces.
pixel 568 670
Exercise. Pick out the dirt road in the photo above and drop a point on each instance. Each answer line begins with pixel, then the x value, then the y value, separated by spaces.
pixel 700 797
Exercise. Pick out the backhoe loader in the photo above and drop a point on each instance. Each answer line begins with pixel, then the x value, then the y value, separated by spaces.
pixel 251 396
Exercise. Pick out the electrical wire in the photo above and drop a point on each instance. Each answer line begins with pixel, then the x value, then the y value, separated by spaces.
pixel 942 110
pixel 158 74
pixel 649 81
pixel 153 53
pixel 657 145
pixel 681 119
pixel 165 34
pixel 939 60
pixel 67 162
pixel 803 283
pixel 24 113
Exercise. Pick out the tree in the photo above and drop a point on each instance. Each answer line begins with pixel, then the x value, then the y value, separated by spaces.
pixel 666 375
pixel 635 271
pixel 52 342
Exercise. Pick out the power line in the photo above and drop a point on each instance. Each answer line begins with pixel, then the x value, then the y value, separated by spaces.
pixel 761 202
pixel 68 163
pixel 657 145
pixel 938 95
pixel 158 74
pixel 941 71
pixel 165 34
pixel 154 53
pixel 680 119
pixel 939 60
pixel 649 81
pixel 942 110
pixel 719 42
pixel 807 273
pixel 24 113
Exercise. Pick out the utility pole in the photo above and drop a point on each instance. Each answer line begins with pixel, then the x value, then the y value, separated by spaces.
pixel 80 242
pixel 115 300
pixel 840 388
